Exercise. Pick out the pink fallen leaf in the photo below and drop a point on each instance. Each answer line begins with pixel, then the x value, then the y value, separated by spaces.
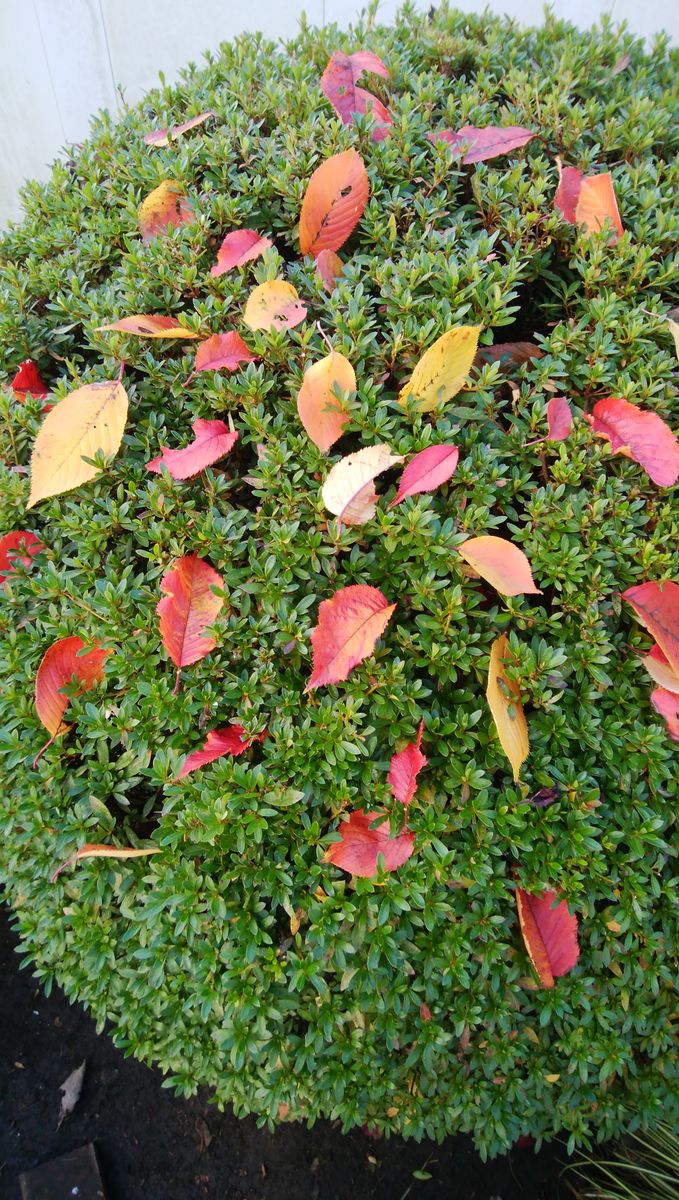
pixel 550 934
pixel 657 608
pixel 339 84
pixel 568 190
pixel 212 441
pixel 29 381
pixel 19 546
pixel 92 850
pixel 163 137
pixel 404 768
pixel 483 143
pixel 426 471
pixel 559 419
pixel 221 352
pixel 360 845
pixel 219 742
pixel 660 670
pixel 329 266
pixel 666 704
pixel 640 435
pixel 501 564
pixel 349 624
pixel 621 65
pixel 239 247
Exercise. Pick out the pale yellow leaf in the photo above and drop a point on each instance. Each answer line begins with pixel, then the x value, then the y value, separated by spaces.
pixel 443 368
pixel 348 491
pixel 89 420
pixel 674 330
pixel 504 701
pixel 274 305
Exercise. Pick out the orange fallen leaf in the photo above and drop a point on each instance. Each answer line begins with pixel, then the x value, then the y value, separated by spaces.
pixel 274 305
pixel 500 563
pixel 152 326
pixel 92 850
pixel 320 411
pixel 186 610
pixel 88 421
pixel 550 934
pixel 61 663
pixel 165 206
pixel 504 701
pixel 334 202
pixel 349 624
pixel 348 491
pixel 596 204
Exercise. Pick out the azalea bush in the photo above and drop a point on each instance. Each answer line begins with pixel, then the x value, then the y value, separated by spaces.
pixel 339 642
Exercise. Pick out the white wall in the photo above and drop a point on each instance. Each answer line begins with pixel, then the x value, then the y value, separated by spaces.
pixel 63 59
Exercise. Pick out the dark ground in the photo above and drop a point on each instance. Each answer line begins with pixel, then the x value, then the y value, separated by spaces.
pixel 155 1146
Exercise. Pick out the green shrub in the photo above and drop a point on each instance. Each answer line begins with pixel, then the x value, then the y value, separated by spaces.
pixel 190 954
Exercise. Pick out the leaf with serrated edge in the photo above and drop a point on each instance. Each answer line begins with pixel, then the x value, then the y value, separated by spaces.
pixel 404 768
pixel 60 663
pixel 550 934
pixel 500 563
pixel 188 607
pixel 219 742
pixel 349 624
pixel 333 203
pixel 348 490
pixel 221 352
pixel 359 847
pixel 442 369
pixel 666 704
pixel 504 701
pixel 640 435
pixel 239 247
pixel 87 421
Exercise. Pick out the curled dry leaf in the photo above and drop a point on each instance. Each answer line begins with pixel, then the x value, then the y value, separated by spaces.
pixel 666 704
pixel 165 206
pixel 348 491
pixel 334 202
pixel 504 701
pixel 550 934
pixel 443 368
pixel 163 137
pixel 63 662
pixel 320 411
pixel 274 305
pixel 70 1092
pixel 188 607
pixel 404 768
pixel 212 441
pixel 221 352
pixel 596 204
pixel 339 84
pixel 87 421
pixel 657 608
pixel 349 624
pixel 359 847
pixel 329 266
pixel 483 143
pixel 152 326
pixel 660 670
pixel 29 381
pixel 501 564
pixel 426 471
pixel 93 850
pixel 239 247
pixel 231 740
pixel 19 546
pixel 640 435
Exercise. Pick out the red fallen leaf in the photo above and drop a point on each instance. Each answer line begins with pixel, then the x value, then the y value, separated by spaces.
pixel 360 845
pixel 60 663
pixel 339 84
pixel 559 419
pixel 349 624
pixel 163 137
pixel 550 934
pixel 333 203
pixel 213 441
pixel 657 608
pixel 166 205
pixel 187 608
pixel 329 266
pixel 666 704
pixel 426 471
pixel 660 670
pixel 92 850
pixel 425 1012
pixel 218 743
pixel 485 143
pixel 18 546
pixel 29 380
pixel 239 247
pixel 568 190
pixel 221 352
pixel 640 435
pixel 404 768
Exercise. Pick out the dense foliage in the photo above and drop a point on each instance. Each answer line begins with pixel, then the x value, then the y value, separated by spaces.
pixel 237 956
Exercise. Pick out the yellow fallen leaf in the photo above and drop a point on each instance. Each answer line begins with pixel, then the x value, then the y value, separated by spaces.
pixel 348 491
pixel 443 368
pixel 274 305
pixel 89 420
pixel 552 1078
pixel 504 701
pixel 320 411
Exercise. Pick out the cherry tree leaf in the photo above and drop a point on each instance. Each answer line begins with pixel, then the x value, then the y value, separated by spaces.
pixel 568 191
pixel 348 491
pixel 550 934
pixel 212 441
pixel 504 701
pixel 657 608
pixel 640 435
pixel 360 845
pixel 339 84
pixel 232 740
pixel 660 670
pixel 239 247
pixel 321 413
pixel 507 353
pixel 151 326
pixel 674 330
pixel 333 203
pixel 163 137
pixel 60 664
pixel 596 204
pixel 164 207
pixel 442 369
pixel 92 850
pixel 666 704
pixel 481 144
pixel 88 421
pixel 426 471
pixel 19 546
pixel 559 419
pixel 500 563
pixel 188 607
pixel 349 625
pixel 404 768
pixel 221 352
pixel 329 266
pixel 29 381
pixel 274 305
